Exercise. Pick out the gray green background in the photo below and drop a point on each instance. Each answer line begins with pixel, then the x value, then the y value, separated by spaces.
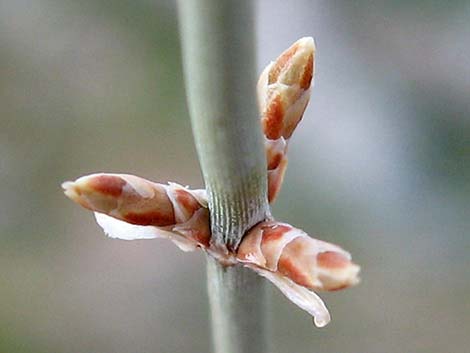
pixel 380 164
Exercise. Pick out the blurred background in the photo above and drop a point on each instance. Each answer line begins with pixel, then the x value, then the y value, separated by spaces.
pixel 380 165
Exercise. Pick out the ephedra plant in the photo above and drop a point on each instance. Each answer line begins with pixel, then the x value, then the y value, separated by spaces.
pixel 129 207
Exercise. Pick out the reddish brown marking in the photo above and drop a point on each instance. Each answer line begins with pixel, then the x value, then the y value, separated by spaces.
pixel 331 259
pixel 274 160
pixel 273 189
pixel 297 263
pixel 160 202
pixel 273 118
pixel 294 120
pixel 281 63
pixel 187 201
pixel 289 267
pixel 306 79
pixel 153 218
pixel 202 237
pixel 107 184
pixel 343 286
pixel 197 228
pixel 275 179
pixel 202 231
pixel 271 233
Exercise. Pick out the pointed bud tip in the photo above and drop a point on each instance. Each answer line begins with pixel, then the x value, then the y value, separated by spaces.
pixel 353 274
pixel 75 191
pixel 308 43
pixel 70 191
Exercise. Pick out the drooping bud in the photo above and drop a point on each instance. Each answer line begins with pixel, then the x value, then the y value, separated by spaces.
pixel 311 263
pixel 298 264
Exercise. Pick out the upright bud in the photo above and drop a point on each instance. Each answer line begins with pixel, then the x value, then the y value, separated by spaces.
pixel 284 89
pixel 283 94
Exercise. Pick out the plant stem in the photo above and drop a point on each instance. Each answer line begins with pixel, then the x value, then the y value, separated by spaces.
pixel 219 61
pixel 238 309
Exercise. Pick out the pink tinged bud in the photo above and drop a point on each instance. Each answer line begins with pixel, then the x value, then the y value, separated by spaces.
pixel 128 207
pixel 283 94
pixel 284 89
pixel 298 264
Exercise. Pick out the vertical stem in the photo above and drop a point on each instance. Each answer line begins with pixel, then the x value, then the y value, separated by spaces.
pixel 238 309
pixel 219 62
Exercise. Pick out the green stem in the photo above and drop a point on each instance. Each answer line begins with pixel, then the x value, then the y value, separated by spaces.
pixel 219 62
pixel 238 309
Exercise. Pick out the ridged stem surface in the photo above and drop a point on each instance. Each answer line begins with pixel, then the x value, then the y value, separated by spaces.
pixel 219 62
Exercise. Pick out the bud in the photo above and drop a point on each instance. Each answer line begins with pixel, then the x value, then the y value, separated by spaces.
pixel 283 94
pixel 311 263
pixel 298 264
pixel 284 89
pixel 130 207
pixel 133 199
